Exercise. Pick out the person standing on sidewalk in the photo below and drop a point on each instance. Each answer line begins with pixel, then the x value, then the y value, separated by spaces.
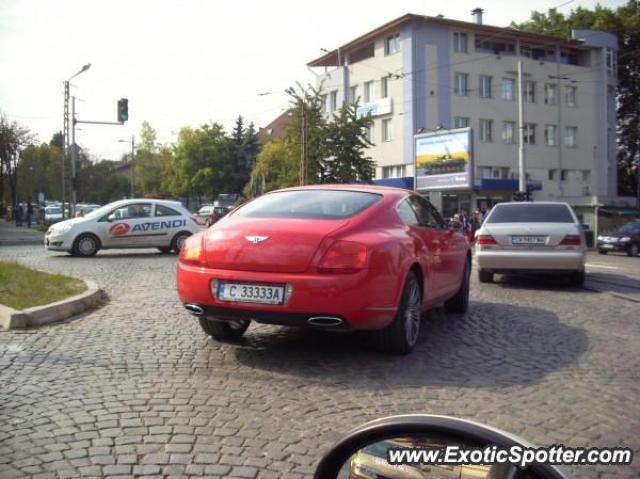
pixel 18 214
pixel 29 213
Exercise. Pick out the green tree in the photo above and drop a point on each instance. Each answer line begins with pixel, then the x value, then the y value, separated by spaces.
pixel 345 141
pixel 276 166
pixel 624 22
pixel 147 173
pixel 307 104
pixel 13 138
pixel 40 171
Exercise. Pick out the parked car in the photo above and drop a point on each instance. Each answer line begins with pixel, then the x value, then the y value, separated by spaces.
pixel 624 239
pixel 347 258
pixel 531 237
pixel 134 223
pixel 52 214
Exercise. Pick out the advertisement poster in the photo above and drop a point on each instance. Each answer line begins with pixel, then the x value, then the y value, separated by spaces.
pixel 444 159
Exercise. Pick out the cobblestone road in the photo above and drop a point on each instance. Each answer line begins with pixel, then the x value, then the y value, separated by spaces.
pixel 135 388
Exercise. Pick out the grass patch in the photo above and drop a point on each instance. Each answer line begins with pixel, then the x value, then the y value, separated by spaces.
pixel 22 288
pixel 41 228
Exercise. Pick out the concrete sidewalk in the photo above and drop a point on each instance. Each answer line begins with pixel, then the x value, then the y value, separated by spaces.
pixel 11 235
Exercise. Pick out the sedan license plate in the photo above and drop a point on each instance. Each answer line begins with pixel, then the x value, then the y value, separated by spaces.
pixel 250 293
pixel 607 246
pixel 528 240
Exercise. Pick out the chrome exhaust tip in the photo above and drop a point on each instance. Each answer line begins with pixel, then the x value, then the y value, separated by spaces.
pixel 194 309
pixel 325 321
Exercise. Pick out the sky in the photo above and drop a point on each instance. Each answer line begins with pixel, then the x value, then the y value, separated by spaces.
pixel 187 62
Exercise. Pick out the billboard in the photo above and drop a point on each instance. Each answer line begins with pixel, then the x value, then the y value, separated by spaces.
pixel 444 159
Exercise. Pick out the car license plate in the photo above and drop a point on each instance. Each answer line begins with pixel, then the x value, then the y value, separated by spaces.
pixel 607 246
pixel 250 293
pixel 528 240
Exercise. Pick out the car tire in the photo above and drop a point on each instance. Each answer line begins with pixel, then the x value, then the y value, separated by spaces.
pixel 178 240
pixel 224 330
pixel 165 250
pixel 460 302
pixel 485 276
pixel 602 251
pixel 85 245
pixel 633 250
pixel 578 278
pixel 401 335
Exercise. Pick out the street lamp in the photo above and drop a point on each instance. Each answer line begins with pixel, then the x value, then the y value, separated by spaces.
pixel 65 144
pixel 133 145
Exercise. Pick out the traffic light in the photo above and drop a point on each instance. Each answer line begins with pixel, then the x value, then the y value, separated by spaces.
pixel 123 110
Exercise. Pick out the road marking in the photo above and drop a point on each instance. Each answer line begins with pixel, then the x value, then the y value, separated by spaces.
pixel 602 266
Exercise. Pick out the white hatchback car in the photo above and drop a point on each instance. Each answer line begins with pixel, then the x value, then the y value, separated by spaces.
pixel 532 237
pixel 134 223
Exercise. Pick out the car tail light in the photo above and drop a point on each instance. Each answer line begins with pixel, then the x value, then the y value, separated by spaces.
pixel 344 257
pixel 571 240
pixel 192 251
pixel 485 240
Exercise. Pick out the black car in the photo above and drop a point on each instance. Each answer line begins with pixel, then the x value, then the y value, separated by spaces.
pixel 625 238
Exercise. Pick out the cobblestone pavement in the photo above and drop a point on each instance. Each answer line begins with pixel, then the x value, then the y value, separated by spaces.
pixel 136 389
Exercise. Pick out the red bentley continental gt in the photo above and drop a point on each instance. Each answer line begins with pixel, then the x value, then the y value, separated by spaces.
pixel 338 257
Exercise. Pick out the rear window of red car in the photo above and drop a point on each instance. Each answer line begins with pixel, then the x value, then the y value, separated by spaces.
pixel 309 204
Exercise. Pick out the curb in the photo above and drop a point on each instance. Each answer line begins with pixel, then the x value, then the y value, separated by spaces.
pixel 54 312
pixel 28 242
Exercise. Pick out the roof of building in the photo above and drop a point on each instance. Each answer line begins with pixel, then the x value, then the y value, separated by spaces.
pixel 277 129
pixel 331 58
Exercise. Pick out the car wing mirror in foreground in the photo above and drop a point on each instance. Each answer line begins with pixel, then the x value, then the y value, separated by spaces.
pixel 111 218
pixel 414 447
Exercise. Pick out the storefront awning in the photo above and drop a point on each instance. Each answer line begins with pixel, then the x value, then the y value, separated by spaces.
pixel 505 185
pixel 620 211
pixel 404 182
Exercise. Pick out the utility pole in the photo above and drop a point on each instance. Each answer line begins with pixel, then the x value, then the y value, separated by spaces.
pixel 521 152
pixel 74 159
pixel 65 140
pixel 133 152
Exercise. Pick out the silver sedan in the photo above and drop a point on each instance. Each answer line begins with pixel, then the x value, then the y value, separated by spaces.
pixel 533 237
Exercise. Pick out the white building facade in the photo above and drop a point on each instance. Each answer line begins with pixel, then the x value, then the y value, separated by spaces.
pixel 420 74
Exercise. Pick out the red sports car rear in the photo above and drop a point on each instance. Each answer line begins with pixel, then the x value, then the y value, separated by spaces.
pixel 332 257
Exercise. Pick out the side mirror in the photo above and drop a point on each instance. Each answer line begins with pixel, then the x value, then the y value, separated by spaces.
pixel 111 218
pixel 384 448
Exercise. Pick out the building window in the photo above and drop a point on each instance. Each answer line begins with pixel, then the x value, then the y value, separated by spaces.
pixel 460 122
pixel 396 171
pixel 586 176
pixel 371 132
pixel 508 88
pixel 460 43
pixel 552 175
pixel 461 81
pixel 550 94
pixel 570 96
pixel 486 127
pixel 563 175
pixel 368 91
pixel 384 87
pixel 485 86
pixel 353 94
pixel 550 135
pixel 333 100
pixel 529 91
pixel 387 130
pixel 392 44
pixel 570 134
pixel 529 133
pixel 508 132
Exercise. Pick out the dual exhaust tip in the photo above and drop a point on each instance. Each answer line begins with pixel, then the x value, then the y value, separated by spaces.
pixel 316 321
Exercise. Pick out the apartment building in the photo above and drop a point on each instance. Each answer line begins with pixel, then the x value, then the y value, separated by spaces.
pixel 417 75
